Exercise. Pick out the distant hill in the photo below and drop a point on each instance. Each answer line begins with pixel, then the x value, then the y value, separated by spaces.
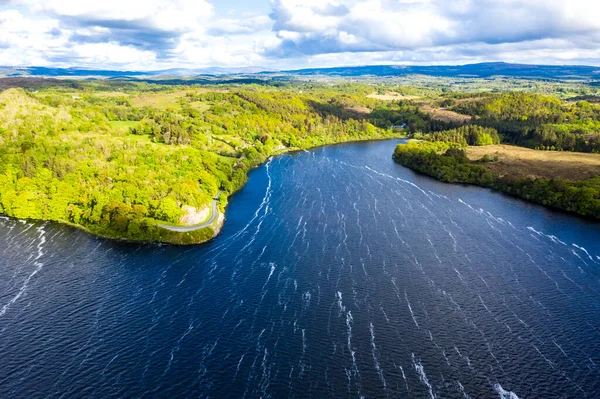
pixel 484 70
pixel 64 72
pixel 103 73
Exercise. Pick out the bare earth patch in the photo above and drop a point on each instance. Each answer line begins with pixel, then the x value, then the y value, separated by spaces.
pixel 526 163
pixel 391 96
pixel 444 115
pixel 194 216
pixel 219 225
pixel 359 110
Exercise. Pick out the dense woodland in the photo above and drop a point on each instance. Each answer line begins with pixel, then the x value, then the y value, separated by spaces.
pixel 536 121
pixel 464 135
pixel 117 162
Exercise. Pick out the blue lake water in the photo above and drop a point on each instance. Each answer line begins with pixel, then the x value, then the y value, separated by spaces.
pixel 338 274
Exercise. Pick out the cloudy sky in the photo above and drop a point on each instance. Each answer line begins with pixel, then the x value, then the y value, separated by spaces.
pixel 281 34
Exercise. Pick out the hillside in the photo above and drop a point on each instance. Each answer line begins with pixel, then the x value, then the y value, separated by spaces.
pixel 117 163
pixel 121 157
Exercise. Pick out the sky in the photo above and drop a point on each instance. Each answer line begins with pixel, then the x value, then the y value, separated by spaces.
pixel 292 34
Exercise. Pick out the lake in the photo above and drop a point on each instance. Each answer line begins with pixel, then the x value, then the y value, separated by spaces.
pixel 338 274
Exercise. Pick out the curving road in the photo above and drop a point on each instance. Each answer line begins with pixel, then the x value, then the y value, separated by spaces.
pixel 214 213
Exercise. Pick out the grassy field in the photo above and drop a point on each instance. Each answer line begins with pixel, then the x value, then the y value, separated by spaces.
pixel 163 100
pixel 527 163
pixel 159 100
pixel 109 94
pixel 445 115
pixel 391 96
pixel 123 126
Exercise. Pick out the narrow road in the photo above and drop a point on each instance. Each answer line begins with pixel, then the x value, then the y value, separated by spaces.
pixel 214 213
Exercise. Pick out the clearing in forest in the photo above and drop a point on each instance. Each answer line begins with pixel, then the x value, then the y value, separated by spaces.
pixel 522 162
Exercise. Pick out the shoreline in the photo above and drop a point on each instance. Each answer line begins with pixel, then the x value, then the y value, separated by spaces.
pixel 549 193
pixel 510 195
pixel 220 219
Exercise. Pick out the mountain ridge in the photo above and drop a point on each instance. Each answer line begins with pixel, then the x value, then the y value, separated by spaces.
pixel 479 70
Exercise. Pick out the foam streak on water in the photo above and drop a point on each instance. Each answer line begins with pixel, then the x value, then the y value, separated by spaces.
pixel 37 266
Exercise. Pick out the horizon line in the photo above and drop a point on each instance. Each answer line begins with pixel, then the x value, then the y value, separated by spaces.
pixel 261 68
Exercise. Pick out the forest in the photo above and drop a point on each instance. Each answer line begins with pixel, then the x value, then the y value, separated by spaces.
pixel 117 157
pixel 116 160
pixel 536 121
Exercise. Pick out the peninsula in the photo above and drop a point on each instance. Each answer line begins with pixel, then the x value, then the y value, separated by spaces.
pixel 552 158
pixel 151 162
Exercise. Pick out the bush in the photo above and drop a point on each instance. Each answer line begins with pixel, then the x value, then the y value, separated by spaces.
pixel 456 153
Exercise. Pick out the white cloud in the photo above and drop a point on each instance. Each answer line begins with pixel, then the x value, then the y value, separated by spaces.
pixel 106 53
pixel 156 34
pixel 229 26
pixel 25 41
pixel 385 25
pixel 172 15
